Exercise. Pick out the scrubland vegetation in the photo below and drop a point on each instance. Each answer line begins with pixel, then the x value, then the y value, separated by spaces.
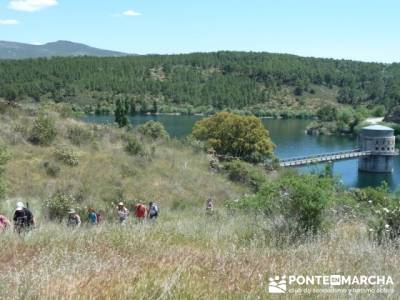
pixel 264 223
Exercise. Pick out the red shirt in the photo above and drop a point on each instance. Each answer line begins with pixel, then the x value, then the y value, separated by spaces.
pixel 140 211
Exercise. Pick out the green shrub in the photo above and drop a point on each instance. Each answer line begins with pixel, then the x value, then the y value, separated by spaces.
pixel 382 212
pixel 52 168
pixel 67 156
pixel 327 113
pixel 244 173
pixel 57 207
pixel 297 201
pixel 384 224
pixel 154 130
pixel 133 146
pixel 79 135
pixel 379 111
pixel 44 131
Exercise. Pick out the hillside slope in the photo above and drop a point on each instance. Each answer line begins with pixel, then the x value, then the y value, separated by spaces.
pixel 13 50
pixel 260 83
pixel 185 254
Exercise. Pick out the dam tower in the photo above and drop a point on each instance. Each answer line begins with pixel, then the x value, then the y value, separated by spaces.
pixel 380 141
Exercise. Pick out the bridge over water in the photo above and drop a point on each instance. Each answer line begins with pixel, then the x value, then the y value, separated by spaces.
pixel 376 153
pixel 325 157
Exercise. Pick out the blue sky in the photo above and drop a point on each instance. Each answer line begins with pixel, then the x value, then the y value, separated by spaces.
pixel 367 30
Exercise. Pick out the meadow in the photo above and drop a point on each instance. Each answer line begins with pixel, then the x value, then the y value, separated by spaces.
pixel 186 254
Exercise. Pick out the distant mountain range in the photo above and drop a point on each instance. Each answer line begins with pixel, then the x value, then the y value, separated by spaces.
pixel 13 50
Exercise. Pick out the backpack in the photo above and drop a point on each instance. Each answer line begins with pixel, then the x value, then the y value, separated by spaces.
pixel 99 217
pixel 29 216
pixel 72 221
pixel 21 218
pixel 153 211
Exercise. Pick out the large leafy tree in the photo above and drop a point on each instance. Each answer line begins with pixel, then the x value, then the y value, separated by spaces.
pixel 239 136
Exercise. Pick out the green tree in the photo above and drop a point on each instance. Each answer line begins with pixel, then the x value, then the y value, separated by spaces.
pixel 239 136
pixel 327 113
pixel 10 93
pixel 121 113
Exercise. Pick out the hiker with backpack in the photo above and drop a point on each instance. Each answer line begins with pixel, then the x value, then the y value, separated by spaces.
pixel 74 220
pixel 92 216
pixel 140 212
pixel 123 213
pixel 4 223
pixel 153 211
pixel 23 218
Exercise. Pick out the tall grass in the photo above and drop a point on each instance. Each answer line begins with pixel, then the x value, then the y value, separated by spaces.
pixel 183 256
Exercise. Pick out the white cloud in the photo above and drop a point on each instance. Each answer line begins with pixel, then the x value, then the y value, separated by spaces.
pixel 9 22
pixel 31 5
pixel 131 13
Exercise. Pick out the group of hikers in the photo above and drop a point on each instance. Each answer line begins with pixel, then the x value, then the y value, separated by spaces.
pixel 141 212
pixel 23 219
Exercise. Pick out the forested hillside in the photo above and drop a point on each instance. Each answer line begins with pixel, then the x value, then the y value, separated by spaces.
pixel 190 83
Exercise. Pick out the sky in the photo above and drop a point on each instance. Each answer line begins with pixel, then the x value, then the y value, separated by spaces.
pixel 367 30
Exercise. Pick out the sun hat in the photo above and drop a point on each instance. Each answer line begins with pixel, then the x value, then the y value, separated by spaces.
pixel 71 211
pixel 20 204
pixel 121 204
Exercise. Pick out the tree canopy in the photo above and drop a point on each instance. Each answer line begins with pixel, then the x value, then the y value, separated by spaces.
pixel 234 135
pixel 197 82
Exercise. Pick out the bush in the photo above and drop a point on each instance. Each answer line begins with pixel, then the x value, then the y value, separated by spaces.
pixel 57 207
pixel 79 135
pixel 244 173
pixel 66 155
pixel 382 211
pixel 153 130
pixel 297 201
pixel 244 137
pixel 52 168
pixel 379 111
pixel 44 131
pixel 327 113
pixel 133 146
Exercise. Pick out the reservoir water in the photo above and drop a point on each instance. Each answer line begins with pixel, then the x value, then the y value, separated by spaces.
pixel 290 140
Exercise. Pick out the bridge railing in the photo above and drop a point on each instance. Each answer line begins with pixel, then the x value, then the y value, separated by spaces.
pixel 316 156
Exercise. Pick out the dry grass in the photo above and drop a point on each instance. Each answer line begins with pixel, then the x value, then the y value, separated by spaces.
pixel 183 256
pixel 186 255
pixel 173 175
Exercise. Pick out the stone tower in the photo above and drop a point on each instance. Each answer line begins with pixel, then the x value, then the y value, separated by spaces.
pixel 380 140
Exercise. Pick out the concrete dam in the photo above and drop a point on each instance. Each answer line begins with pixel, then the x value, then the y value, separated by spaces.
pixel 375 153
